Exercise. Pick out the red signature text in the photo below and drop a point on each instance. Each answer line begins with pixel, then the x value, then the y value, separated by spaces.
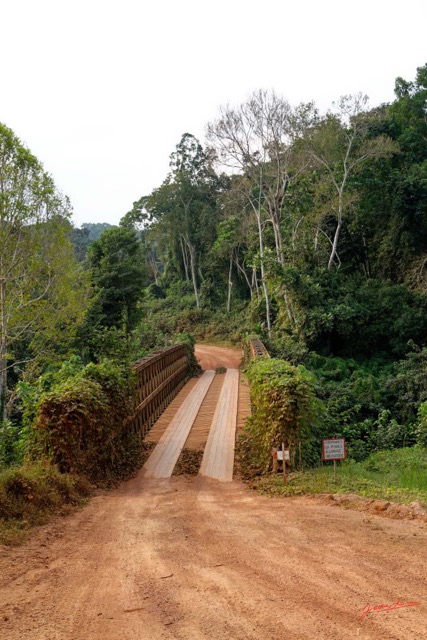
pixel 369 608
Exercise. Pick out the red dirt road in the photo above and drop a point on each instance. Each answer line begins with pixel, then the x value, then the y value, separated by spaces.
pixel 193 559
pixel 212 357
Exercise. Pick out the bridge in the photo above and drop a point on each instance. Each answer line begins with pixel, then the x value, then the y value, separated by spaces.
pixel 203 414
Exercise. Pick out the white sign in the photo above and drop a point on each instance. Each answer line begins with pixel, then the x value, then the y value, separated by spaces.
pixel 333 449
pixel 280 455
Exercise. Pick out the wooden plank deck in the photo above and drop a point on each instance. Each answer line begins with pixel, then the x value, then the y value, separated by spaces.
pixel 200 430
pixel 218 457
pixel 160 426
pixel 164 457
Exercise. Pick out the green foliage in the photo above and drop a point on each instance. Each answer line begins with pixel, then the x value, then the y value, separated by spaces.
pixel 389 434
pixel 189 342
pixel 165 318
pixel 287 347
pixel 421 425
pixel 399 475
pixel 352 398
pixel 283 410
pixel 344 315
pixel 79 419
pixel 43 293
pixel 29 494
pixel 119 275
pixel 407 388
pixel 8 437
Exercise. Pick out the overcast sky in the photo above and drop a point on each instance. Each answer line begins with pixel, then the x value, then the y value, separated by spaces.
pixel 102 91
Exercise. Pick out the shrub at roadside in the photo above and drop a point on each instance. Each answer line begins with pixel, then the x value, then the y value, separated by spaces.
pixel 189 342
pixel 80 422
pixel 284 407
pixel 29 494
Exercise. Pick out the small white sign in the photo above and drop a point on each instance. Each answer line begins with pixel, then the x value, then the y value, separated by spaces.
pixel 333 449
pixel 280 455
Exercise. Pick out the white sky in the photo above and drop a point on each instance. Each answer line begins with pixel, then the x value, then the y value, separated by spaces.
pixel 102 91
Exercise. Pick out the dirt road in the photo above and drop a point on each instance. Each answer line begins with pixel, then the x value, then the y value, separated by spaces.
pixel 212 357
pixel 194 559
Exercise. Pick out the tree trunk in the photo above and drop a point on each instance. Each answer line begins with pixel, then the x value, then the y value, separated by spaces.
pixel 338 229
pixel 255 281
pixel 230 284
pixel 184 259
pixel 278 240
pixel 264 284
pixel 154 267
pixel 193 271
pixel 245 275
pixel 289 309
pixel 257 211
pixel 316 239
pixel 335 244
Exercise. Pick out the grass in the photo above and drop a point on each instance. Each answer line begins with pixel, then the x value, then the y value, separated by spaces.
pixel 398 476
pixel 31 494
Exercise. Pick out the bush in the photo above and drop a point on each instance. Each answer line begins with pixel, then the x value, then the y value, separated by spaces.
pixel 407 388
pixel 354 396
pixel 189 342
pixel 283 410
pixel 81 422
pixel 30 493
pixel 389 434
pixel 421 425
pixel 350 316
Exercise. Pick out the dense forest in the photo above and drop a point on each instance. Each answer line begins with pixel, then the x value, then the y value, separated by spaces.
pixel 304 228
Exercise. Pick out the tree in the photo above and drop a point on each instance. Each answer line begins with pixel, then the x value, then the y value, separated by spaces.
pixel 183 210
pixel 409 113
pixel 340 143
pixel 84 236
pixel 118 273
pixel 42 293
pixel 257 139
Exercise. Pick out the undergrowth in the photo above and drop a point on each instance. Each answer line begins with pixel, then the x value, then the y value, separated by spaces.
pixel 30 494
pixel 283 410
pixel 399 475
pixel 80 421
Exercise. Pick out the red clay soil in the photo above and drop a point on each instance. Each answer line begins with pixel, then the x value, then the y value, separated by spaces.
pixel 195 559
pixel 213 357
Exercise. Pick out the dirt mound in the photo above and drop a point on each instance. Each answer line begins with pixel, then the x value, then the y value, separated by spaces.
pixel 413 511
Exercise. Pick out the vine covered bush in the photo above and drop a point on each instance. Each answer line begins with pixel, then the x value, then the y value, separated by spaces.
pixel 284 409
pixel 80 421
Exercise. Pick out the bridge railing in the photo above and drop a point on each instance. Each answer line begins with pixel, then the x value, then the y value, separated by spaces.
pixel 257 349
pixel 160 377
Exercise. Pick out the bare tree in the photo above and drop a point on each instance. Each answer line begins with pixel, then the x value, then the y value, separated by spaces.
pixel 340 143
pixel 256 139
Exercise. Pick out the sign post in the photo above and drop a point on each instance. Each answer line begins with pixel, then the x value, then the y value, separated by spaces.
pixel 282 455
pixel 284 462
pixel 333 449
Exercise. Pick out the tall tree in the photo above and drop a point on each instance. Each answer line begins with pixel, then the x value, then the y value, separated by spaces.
pixel 257 139
pixel 183 210
pixel 119 275
pixel 339 144
pixel 41 287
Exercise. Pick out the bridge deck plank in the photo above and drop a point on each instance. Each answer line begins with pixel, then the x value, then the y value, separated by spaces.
pixel 162 461
pixel 218 457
